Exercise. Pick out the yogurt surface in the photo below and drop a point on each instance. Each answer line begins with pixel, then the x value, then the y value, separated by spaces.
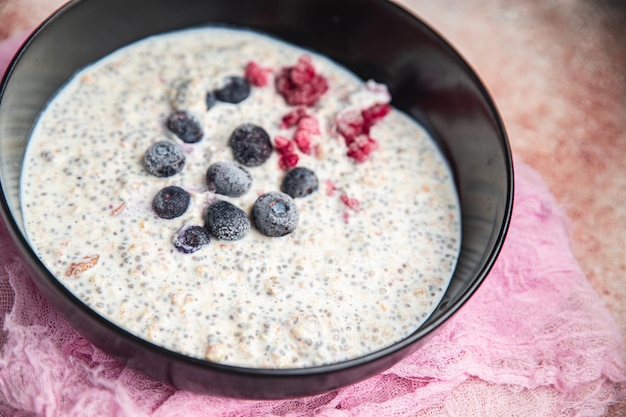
pixel 370 259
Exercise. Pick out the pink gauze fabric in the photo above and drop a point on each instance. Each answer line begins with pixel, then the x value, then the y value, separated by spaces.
pixel 535 340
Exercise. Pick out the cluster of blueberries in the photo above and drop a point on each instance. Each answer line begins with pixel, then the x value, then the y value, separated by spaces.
pixel 273 213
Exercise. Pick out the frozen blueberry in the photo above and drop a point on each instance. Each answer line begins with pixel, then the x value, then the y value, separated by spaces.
pixel 171 202
pixel 275 214
pixel 251 145
pixel 184 126
pixel 189 239
pixel 228 178
pixel 299 182
pixel 235 90
pixel 226 221
pixel 210 100
pixel 164 159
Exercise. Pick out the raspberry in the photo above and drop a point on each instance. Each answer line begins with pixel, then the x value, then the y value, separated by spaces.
pixel 309 124
pixel 284 145
pixel 287 150
pixel 375 113
pixel 288 161
pixel 303 72
pixel 300 84
pixel 292 118
pixel 355 127
pixel 350 125
pixel 361 148
pixel 350 202
pixel 330 188
pixel 303 140
pixel 257 75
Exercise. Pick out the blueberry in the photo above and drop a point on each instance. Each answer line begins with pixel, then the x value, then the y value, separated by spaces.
pixel 235 90
pixel 275 214
pixel 184 126
pixel 171 202
pixel 189 239
pixel 228 178
pixel 164 159
pixel 210 100
pixel 226 221
pixel 251 145
pixel 299 182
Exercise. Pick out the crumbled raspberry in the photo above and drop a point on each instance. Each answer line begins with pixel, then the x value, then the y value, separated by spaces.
pixel 350 125
pixel 373 114
pixel 288 160
pixel 300 84
pixel 309 124
pixel 292 118
pixel 303 140
pixel 330 188
pixel 303 72
pixel 287 150
pixel 350 202
pixel 361 148
pixel 346 217
pixel 257 75
pixel 355 126
pixel 284 145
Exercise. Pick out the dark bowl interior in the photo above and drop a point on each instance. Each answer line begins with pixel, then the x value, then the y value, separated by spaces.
pixel 373 38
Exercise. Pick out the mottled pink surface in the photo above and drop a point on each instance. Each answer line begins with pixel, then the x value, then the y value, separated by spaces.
pixel 556 70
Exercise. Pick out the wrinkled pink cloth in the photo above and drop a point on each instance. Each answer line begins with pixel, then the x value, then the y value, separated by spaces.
pixel 535 340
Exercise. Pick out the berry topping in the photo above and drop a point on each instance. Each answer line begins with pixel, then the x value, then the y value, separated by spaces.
pixel 171 202
pixel 251 145
pixel 164 159
pixel 355 127
pixel 228 179
pixel 275 214
pixel 189 239
pixel 300 84
pixel 292 118
pixel 299 182
pixel 184 126
pixel 210 100
pixel 235 90
pixel 287 150
pixel 257 75
pixel 226 221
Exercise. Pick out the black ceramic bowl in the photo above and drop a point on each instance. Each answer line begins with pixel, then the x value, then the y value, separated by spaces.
pixel 373 38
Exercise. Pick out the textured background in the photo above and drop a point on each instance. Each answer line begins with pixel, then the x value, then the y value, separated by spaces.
pixel 557 72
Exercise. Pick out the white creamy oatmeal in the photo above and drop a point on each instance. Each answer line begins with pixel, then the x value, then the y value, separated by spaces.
pixel 371 256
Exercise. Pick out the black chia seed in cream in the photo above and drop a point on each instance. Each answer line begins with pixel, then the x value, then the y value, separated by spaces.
pixel 369 261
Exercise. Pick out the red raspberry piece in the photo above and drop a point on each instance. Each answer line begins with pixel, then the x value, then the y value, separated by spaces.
pixel 355 126
pixel 257 75
pixel 309 124
pixel 350 202
pixel 292 118
pixel 350 125
pixel 288 160
pixel 303 140
pixel 373 114
pixel 283 145
pixel 303 72
pixel 330 188
pixel 361 148
pixel 300 84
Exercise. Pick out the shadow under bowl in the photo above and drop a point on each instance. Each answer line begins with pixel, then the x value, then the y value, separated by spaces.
pixel 375 39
